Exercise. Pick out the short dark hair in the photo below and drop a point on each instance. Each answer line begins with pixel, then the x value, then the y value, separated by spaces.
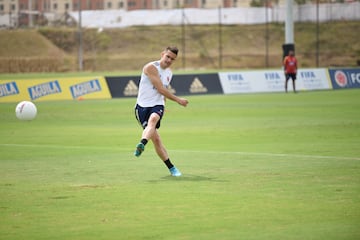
pixel 174 50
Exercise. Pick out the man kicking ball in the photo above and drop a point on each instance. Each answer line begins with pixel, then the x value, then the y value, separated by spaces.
pixel 150 104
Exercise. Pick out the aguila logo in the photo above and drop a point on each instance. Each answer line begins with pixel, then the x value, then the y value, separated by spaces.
pixel 341 78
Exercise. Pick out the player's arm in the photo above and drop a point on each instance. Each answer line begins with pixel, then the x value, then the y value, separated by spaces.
pixel 151 71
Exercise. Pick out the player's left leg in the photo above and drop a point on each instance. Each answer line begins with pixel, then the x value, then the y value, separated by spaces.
pixel 162 153
pixel 293 77
pixel 159 146
pixel 294 88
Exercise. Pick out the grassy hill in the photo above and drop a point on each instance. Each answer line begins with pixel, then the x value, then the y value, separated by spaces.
pixel 28 51
pixel 27 43
pixel 242 47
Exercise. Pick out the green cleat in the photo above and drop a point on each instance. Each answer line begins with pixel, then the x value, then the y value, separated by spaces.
pixel 139 149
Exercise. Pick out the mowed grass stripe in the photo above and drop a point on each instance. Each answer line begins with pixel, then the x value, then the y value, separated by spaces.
pixel 184 150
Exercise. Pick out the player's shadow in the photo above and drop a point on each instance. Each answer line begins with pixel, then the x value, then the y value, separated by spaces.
pixel 188 178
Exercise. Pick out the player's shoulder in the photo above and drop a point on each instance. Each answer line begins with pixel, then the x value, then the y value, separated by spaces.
pixel 156 63
pixel 152 65
pixel 150 68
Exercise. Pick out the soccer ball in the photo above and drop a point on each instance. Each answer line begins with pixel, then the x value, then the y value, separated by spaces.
pixel 26 110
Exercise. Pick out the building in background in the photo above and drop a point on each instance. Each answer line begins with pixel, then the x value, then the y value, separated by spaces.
pixel 19 12
pixel 61 6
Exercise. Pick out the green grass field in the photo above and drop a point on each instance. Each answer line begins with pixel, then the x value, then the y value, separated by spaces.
pixel 256 166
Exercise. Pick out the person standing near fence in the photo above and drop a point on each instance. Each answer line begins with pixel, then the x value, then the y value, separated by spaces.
pixel 290 68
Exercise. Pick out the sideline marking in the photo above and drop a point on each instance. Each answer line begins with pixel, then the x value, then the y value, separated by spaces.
pixel 188 151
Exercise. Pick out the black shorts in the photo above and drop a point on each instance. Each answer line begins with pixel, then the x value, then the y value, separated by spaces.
pixel 142 114
pixel 290 75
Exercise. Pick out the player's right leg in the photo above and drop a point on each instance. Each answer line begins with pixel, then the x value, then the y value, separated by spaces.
pixel 150 129
pixel 293 77
pixel 286 82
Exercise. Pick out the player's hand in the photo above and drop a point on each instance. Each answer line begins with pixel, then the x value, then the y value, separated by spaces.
pixel 183 102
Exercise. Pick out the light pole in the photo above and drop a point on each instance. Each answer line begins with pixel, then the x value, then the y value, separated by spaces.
pixel 266 34
pixel 289 24
pixel 80 54
pixel 220 39
pixel 30 14
pixel 289 29
pixel 183 38
pixel 317 33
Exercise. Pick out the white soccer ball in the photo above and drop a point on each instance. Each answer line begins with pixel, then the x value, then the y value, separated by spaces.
pixel 26 110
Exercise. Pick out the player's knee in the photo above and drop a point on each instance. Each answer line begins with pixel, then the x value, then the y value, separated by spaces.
pixel 153 120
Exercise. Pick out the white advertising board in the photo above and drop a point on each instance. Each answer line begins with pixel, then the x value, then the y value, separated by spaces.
pixel 272 81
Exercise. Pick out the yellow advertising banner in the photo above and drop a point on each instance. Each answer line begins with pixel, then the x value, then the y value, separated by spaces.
pixel 77 88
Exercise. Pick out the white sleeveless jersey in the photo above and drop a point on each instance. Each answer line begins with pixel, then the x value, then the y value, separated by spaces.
pixel 148 95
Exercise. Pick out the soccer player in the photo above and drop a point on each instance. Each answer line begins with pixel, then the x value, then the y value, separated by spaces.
pixel 290 68
pixel 150 104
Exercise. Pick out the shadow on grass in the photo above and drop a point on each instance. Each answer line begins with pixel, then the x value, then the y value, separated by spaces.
pixel 188 178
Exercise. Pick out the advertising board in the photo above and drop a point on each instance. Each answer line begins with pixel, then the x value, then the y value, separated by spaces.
pixel 53 89
pixel 182 84
pixel 345 77
pixel 272 81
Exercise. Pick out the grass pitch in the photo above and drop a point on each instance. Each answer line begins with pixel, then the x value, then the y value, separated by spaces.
pixel 257 166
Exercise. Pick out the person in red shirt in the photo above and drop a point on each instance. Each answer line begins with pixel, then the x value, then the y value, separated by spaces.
pixel 290 68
